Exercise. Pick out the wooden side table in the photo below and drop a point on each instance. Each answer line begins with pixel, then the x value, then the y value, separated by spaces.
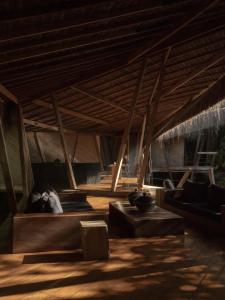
pixel 95 242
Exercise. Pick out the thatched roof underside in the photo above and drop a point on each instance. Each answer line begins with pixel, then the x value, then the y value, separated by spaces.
pixel 212 118
pixel 87 53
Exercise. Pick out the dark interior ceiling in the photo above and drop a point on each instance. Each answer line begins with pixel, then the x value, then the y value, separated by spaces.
pixel 89 54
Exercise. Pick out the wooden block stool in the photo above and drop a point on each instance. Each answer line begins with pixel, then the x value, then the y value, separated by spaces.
pixel 95 242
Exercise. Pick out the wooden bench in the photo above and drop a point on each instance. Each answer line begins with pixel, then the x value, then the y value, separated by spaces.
pixel 48 232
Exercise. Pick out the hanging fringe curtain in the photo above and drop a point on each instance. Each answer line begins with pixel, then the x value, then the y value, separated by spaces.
pixel 213 117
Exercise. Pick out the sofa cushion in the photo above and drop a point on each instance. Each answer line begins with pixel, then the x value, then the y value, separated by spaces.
pixel 195 192
pixel 215 196
pixel 199 209
pixel 177 202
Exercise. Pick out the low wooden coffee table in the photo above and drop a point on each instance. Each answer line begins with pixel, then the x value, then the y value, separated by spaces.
pixel 127 221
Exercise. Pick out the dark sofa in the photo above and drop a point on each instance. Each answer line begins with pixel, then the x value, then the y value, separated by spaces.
pixel 200 204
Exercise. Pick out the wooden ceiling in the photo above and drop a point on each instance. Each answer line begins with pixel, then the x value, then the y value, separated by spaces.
pixel 89 53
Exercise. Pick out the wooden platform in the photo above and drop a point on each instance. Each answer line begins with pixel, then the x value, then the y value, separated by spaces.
pixel 184 267
pixel 125 186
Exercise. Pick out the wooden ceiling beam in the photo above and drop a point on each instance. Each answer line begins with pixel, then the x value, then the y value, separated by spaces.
pixel 189 19
pixel 100 98
pixel 77 22
pixel 119 30
pixel 80 59
pixel 94 46
pixel 52 128
pixel 202 68
pixel 6 94
pixel 44 125
pixel 70 112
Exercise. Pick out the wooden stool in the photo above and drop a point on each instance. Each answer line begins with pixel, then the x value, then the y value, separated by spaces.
pixel 95 242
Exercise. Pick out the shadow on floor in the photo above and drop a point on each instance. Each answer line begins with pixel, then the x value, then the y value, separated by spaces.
pixel 53 257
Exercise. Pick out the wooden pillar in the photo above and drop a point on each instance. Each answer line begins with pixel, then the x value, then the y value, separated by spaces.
pixel 63 143
pixel 98 151
pixel 129 123
pixel 75 147
pixel 39 147
pixel 27 174
pixel 140 145
pixel 7 172
pixel 152 110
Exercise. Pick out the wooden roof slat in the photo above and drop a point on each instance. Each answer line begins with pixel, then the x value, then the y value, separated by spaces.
pixel 211 62
pixel 70 112
pixel 99 98
pixel 44 125
pixel 189 19
pixel 88 19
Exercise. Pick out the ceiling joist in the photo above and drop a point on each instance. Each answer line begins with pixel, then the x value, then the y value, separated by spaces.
pixel 70 112
pixel 189 19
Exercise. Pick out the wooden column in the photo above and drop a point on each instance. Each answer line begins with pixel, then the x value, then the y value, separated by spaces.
pixel 127 129
pixel 39 147
pixel 140 145
pixel 27 174
pixel 98 151
pixel 7 172
pixel 63 142
pixel 75 147
pixel 152 109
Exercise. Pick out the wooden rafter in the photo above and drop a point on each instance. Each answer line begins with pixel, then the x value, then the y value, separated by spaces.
pixel 99 97
pixel 202 68
pixel 90 20
pixel 191 18
pixel 45 126
pixel 70 112
pixel 7 94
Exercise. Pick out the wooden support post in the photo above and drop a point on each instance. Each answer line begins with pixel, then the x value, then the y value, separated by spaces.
pixel 140 146
pixel 129 123
pixel 7 172
pixel 75 147
pixel 98 151
pixel 184 178
pixel 39 147
pixel 211 176
pixel 27 174
pixel 63 142
pixel 153 107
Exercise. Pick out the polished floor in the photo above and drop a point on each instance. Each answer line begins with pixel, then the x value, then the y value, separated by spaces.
pixel 172 267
